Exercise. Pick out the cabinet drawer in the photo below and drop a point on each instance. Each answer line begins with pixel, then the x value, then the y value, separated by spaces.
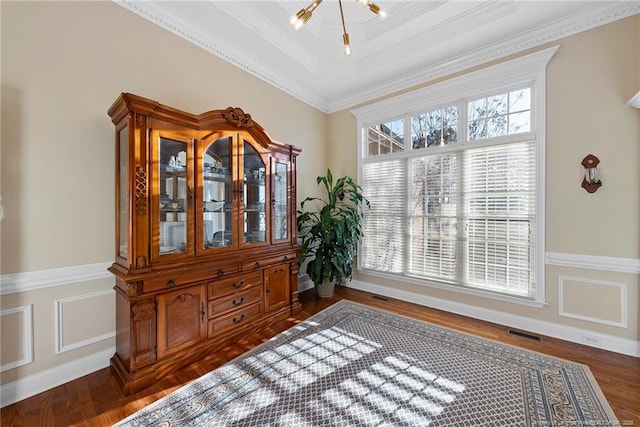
pixel 168 281
pixel 235 319
pixel 264 262
pixel 165 282
pixel 236 301
pixel 234 284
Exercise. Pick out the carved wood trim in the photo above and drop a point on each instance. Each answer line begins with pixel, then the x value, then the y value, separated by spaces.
pixel 141 262
pixel 237 117
pixel 141 190
pixel 143 317
pixel 134 289
pixel 140 120
pixel 142 311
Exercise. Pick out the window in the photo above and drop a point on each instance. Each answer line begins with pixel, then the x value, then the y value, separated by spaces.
pixel 386 138
pixel 454 176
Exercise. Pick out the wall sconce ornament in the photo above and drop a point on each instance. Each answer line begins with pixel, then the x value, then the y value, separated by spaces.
pixel 591 182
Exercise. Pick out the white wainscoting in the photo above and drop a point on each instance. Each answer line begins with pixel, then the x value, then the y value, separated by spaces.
pixel 61 344
pixel 45 380
pixel 622 301
pixel 26 314
pixel 567 333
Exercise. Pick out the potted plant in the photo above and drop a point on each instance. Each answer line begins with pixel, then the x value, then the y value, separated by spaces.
pixel 331 231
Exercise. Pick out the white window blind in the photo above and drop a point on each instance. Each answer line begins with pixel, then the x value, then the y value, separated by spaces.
pixel 433 216
pixel 384 222
pixel 466 217
pixel 499 217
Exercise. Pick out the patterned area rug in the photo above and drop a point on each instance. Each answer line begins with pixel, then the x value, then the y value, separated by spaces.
pixel 352 365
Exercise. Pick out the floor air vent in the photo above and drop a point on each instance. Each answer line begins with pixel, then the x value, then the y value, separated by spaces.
pixel 380 298
pixel 524 335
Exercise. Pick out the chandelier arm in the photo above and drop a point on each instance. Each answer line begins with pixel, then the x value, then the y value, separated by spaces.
pixel 344 28
pixel 314 5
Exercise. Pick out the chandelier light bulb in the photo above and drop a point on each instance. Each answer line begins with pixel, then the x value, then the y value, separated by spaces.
pixel 300 18
pixel 376 9
pixel 347 47
pixel 296 19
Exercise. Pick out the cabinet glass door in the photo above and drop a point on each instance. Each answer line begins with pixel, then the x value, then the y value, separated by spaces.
pixel 217 206
pixel 254 195
pixel 280 201
pixel 123 193
pixel 174 198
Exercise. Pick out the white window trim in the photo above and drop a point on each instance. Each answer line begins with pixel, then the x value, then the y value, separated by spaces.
pixel 528 70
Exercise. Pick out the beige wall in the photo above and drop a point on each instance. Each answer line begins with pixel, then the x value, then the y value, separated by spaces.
pixel 589 81
pixel 63 65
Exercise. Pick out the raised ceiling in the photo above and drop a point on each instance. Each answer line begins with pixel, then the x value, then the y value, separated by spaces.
pixel 417 42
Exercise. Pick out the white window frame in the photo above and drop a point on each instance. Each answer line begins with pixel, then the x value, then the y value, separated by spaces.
pixel 525 71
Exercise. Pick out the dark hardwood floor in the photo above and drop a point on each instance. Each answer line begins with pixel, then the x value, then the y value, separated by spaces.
pixel 96 400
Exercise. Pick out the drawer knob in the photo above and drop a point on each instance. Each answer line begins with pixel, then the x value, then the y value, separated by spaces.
pixel 286 258
pixel 237 303
pixel 171 283
pixel 220 272
pixel 238 285
pixel 238 319
pixel 257 264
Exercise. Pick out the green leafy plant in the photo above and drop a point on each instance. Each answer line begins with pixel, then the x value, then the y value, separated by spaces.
pixel 330 232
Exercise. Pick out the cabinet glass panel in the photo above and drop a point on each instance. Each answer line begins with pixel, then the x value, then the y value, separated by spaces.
pixel 216 194
pixel 173 194
pixel 123 197
pixel 280 211
pixel 254 196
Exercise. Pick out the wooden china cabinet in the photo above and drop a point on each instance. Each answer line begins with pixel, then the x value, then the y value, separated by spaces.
pixel 205 234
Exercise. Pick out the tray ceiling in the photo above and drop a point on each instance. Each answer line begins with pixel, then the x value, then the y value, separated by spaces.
pixel 417 42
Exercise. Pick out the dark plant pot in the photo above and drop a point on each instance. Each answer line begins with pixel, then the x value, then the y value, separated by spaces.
pixel 325 289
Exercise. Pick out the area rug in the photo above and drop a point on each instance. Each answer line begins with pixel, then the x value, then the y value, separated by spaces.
pixel 353 365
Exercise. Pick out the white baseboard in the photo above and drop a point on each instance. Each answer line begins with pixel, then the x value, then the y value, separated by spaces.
pixel 45 380
pixel 567 333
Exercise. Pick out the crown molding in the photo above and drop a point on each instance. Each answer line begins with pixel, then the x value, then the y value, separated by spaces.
pixel 594 17
pixel 560 29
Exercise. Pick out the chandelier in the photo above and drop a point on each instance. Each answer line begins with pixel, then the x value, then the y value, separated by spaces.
pixel 303 15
